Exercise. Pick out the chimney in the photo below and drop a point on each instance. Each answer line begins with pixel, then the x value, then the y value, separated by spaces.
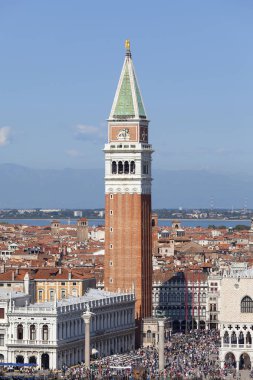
pixel 69 275
pixel 60 271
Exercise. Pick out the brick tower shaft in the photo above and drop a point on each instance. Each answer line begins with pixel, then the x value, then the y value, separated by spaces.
pixel 128 230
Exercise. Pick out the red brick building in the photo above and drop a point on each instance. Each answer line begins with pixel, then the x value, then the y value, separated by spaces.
pixel 128 234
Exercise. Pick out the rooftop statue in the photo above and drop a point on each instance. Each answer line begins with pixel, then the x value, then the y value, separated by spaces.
pixel 127 44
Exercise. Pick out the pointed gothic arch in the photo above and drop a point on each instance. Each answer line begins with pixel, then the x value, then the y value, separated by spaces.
pixel 226 337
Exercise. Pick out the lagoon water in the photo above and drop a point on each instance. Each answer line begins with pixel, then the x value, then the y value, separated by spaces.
pixel 162 222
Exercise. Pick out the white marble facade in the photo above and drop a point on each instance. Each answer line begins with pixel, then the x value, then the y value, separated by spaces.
pixel 52 334
pixel 236 320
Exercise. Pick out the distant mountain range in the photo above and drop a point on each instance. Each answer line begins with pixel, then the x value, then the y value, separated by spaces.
pixel 23 187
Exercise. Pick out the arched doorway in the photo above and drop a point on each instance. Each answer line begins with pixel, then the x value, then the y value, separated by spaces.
pixel 19 359
pixel 176 325
pixel 32 360
pixel 183 325
pixel 149 336
pixel 230 361
pixel 244 361
pixel 202 325
pixel 193 324
pixel 1 358
pixel 45 361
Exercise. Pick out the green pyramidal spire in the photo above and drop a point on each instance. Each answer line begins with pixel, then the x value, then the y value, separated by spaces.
pixel 128 102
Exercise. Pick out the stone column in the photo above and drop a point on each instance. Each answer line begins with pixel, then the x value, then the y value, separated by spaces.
pixel 26 332
pixel 161 344
pixel 53 360
pixel 25 357
pixel 86 318
pixel 39 359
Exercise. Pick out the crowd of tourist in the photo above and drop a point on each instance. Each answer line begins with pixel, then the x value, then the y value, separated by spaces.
pixel 194 356
pixel 187 356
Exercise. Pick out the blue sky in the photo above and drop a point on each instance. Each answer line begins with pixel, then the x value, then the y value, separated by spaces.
pixel 61 60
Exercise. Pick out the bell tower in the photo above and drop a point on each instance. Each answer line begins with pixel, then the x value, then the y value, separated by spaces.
pixel 128 219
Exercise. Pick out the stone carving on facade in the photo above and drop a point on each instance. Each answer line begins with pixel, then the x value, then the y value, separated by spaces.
pixel 123 134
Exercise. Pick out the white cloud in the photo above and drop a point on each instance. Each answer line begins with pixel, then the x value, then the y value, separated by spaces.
pixel 5 133
pixel 89 132
pixel 74 153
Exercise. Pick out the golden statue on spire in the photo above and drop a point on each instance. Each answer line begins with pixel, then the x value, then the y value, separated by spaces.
pixel 127 44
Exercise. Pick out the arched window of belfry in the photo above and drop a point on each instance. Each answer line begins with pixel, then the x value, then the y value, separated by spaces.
pixel 120 167
pixel 114 167
pixel 126 167
pixel 246 305
pixel 132 167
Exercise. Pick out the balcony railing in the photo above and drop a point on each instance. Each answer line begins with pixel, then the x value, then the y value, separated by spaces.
pixel 35 310
pixel 32 342
pixel 247 345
